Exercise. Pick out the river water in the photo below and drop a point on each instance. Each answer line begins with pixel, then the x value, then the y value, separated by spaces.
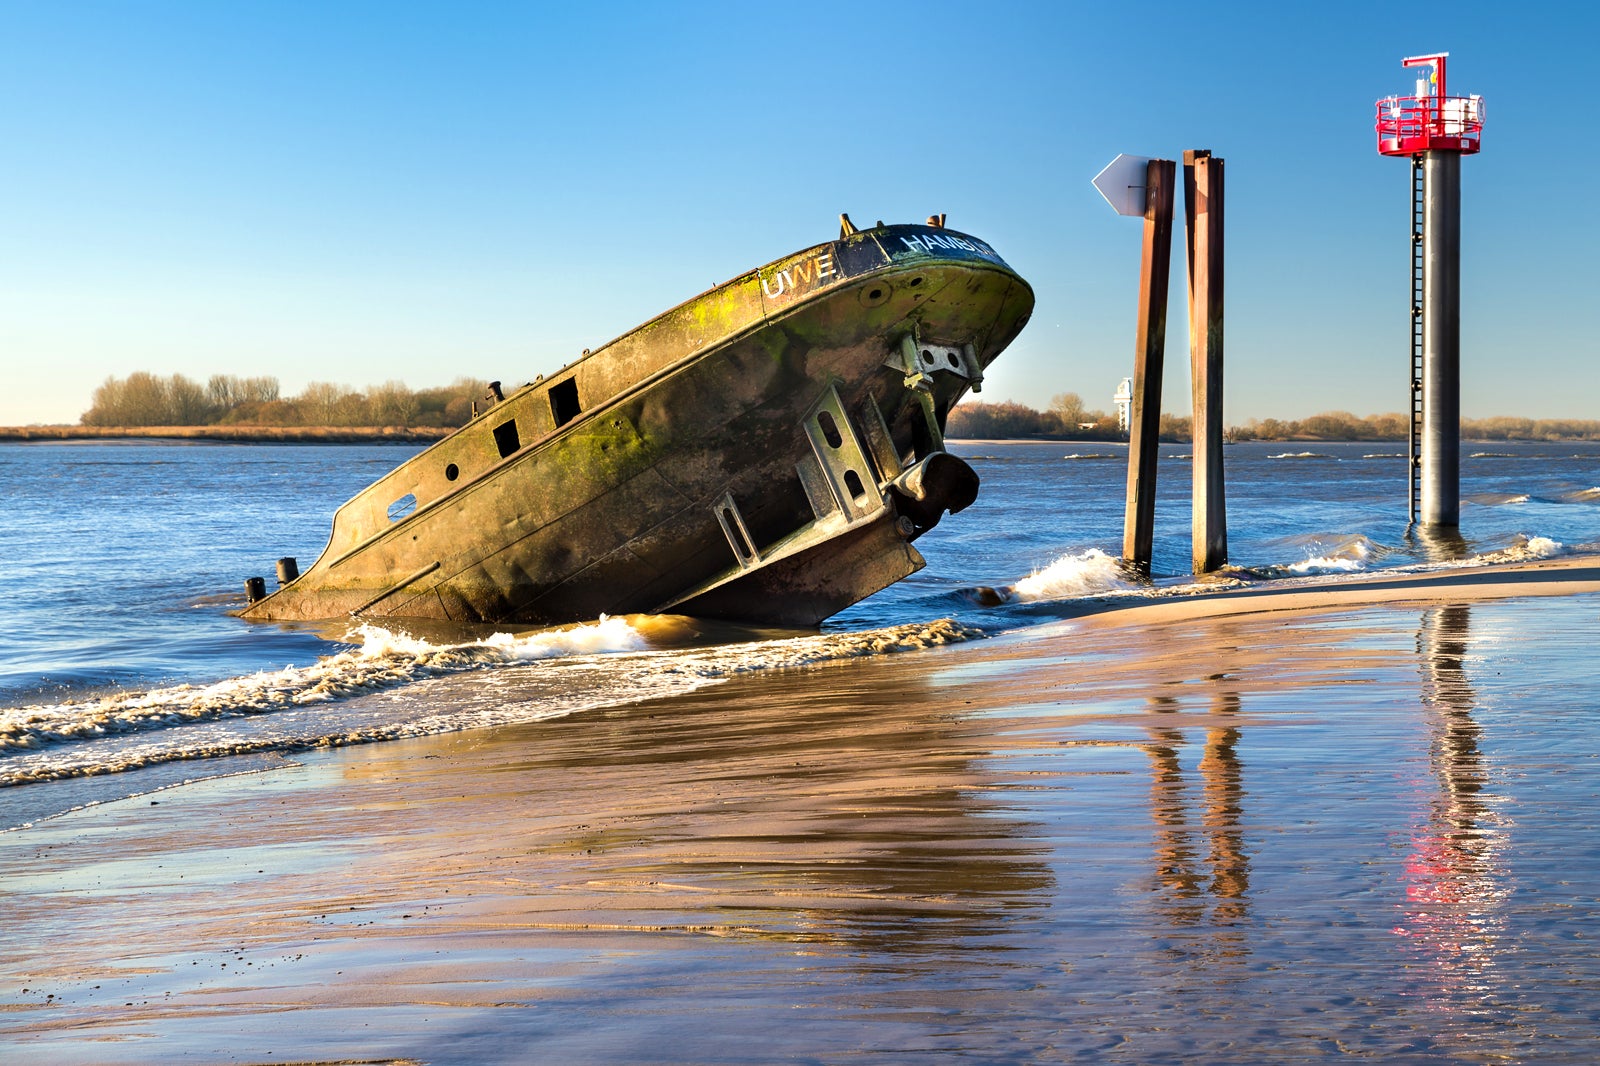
pixel 1357 834
pixel 121 563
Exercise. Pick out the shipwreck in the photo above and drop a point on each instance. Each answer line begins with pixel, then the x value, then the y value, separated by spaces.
pixel 765 452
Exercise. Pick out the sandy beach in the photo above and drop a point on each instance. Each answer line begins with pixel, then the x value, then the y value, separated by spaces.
pixel 1264 824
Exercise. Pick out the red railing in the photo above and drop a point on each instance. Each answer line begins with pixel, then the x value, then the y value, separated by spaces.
pixel 1411 124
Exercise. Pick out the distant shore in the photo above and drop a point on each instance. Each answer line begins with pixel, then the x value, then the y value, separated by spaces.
pixel 233 434
pixel 428 434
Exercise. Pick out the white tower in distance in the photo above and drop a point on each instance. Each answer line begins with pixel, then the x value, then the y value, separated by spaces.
pixel 1124 401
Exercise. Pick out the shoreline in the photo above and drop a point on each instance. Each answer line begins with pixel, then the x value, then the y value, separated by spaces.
pixel 226 434
pixel 428 434
pixel 784 856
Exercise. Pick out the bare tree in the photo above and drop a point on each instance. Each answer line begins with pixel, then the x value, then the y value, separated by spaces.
pixel 187 402
pixel 1068 406
pixel 321 403
pixel 391 404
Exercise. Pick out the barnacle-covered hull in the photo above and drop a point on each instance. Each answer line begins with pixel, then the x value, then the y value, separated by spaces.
pixel 767 452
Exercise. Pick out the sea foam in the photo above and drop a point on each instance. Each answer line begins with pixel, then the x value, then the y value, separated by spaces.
pixel 1524 548
pixel 1084 574
pixel 397 685
pixel 1352 556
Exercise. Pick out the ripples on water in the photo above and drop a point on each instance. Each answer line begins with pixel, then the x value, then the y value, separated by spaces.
pixel 124 560
pixel 1365 835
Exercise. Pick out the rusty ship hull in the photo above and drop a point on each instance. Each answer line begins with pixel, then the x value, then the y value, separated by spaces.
pixel 766 452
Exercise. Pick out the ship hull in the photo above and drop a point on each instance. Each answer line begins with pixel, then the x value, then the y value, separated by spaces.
pixel 766 452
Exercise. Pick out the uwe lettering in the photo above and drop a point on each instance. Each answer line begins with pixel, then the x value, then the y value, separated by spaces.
pixel 809 274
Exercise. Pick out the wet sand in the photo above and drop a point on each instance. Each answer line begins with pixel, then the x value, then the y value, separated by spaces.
pixel 1281 825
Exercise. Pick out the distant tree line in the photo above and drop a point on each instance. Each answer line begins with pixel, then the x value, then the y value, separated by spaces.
pixel 144 399
pixel 1342 425
pixel 1066 419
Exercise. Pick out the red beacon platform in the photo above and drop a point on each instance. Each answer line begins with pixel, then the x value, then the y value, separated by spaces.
pixel 1432 120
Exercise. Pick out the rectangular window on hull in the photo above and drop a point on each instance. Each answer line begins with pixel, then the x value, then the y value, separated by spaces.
pixel 506 439
pixel 564 401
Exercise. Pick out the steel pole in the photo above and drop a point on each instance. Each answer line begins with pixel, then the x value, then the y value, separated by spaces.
pixel 1441 339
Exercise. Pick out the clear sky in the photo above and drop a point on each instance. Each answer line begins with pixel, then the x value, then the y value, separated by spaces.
pixel 358 192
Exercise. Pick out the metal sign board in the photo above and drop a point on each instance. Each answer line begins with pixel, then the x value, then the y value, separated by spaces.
pixel 1122 184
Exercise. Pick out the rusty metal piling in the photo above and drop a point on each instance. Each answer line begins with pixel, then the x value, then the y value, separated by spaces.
pixel 1144 422
pixel 1203 215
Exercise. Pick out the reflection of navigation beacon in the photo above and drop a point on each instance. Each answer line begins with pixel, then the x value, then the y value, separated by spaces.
pixel 1435 130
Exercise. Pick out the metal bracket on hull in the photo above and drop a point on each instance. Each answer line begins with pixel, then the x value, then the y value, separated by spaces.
pixel 919 362
pixel 843 461
pixel 738 534
pixel 880 442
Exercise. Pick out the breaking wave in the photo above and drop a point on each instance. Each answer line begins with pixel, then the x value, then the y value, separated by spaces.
pixel 1348 558
pixel 1301 455
pixel 1346 555
pixel 1524 548
pixel 1087 573
pixel 395 685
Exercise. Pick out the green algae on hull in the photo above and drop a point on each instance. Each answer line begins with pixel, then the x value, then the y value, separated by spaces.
pixel 765 452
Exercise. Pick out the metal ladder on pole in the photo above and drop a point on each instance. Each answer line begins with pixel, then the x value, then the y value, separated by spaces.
pixel 1418 217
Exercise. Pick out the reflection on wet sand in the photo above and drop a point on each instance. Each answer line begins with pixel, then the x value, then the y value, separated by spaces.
pixel 1454 883
pixel 850 813
pixel 1199 847
pixel 1024 852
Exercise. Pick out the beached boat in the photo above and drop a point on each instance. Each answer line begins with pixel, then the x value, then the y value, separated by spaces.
pixel 766 452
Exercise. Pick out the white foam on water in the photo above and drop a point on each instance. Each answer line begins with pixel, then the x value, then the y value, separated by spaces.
pixel 1300 455
pixel 1084 574
pixel 395 685
pixel 608 635
pixel 382 658
pixel 1351 557
pixel 1524 548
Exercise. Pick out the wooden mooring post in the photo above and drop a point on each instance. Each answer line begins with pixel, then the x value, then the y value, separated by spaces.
pixel 1203 215
pixel 1144 419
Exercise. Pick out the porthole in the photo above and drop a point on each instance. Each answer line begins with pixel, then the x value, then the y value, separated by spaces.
pixel 876 295
pixel 451 472
pixel 402 507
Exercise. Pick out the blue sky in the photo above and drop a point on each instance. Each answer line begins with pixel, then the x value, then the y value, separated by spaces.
pixel 357 192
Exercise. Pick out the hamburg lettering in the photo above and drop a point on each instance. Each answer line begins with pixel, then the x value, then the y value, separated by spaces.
pixel 929 243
